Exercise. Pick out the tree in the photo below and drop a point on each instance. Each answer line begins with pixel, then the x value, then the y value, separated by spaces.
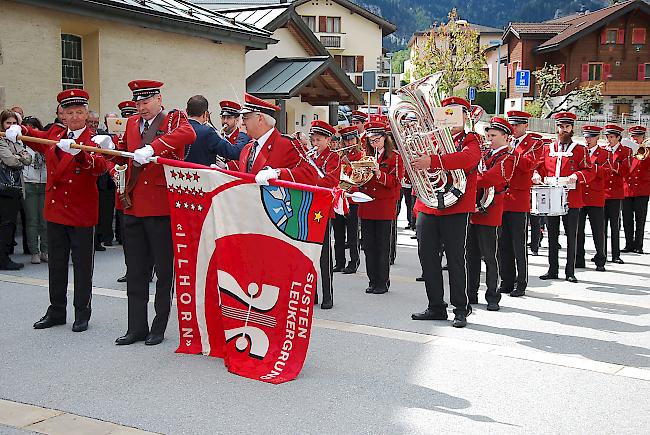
pixel 550 85
pixel 452 47
pixel 398 59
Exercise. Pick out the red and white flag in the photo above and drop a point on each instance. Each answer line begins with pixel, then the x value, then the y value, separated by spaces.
pixel 246 261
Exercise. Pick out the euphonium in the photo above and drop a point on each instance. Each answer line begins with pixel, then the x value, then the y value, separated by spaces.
pixel 415 133
pixel 643 151
pixel 484 197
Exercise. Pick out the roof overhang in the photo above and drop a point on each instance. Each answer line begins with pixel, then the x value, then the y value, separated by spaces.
pixel 134 16
pixel 386 26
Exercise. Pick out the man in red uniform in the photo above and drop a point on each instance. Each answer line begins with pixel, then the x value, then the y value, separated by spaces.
pixel 270 154
pixel 565 158
pixel 448 226
pixel 496 171
pixel 127 108
pixel 620 165
pixel 513 254
pixel 593 199
pixel 329 164
pixel 230 119
pixel 147 226
pixel 358 120
pixel 637 191
pixel 71 208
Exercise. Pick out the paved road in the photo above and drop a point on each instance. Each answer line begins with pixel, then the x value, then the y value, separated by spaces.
pixel 565 358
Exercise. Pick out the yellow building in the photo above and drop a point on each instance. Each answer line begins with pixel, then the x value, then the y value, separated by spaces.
pixel 51 45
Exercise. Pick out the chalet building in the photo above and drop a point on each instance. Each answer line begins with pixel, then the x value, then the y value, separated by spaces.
pixel 610 45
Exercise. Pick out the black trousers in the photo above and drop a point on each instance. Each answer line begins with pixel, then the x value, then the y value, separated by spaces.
pixel 119 214
pixel 326 265
pixel 635 210
pixel 536 223
pixel 8 214
pixel 406 193
pixel 597 222
pixel 613 222
pixel 570 222
pixel 148 243
pixel 63 241
pixel 482 244
pixel 450 230
pixel 376 236
pixel 346 226
pixel 104 231
pixel 393 241
pixel 513 252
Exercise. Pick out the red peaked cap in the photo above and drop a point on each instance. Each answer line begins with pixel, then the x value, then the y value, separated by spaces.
pixel 349 132
pixel 518 117
pixel 322 128
pixel 456 101
pixel 591 130
pixel 565 118
pixel 254 104
pixel 127 108
pixel 613 129
pixel 229 108
pixel 374 128
pixel 501 124
pixel 638 130
pixel 72 97
pixel 143 89
pixel 358 115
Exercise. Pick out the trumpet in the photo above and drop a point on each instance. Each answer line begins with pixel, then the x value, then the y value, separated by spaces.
pixel 643 151
pixel 357 173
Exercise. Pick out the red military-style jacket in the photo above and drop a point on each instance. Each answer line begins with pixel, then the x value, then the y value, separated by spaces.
pixel 577 163
pixel 638 182
pixel 466 158
pixel 278 152
pixel 149 196
pixel 232 137
pixel 529 152
pixel 71 196
pixel 620 164
pixel 593 194
pixel 384 189
pixel 500 169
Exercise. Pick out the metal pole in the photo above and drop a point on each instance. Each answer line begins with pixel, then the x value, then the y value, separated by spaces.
pixel 390 81
pixel 498 85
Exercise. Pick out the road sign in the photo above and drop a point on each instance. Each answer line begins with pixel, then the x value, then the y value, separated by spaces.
pixel 472 93
pixel 522 81
pixel 369 81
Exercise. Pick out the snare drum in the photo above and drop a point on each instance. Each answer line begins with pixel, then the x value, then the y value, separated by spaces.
pixel 549 200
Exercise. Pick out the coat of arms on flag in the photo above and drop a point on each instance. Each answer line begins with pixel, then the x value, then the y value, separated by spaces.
pixel 246 261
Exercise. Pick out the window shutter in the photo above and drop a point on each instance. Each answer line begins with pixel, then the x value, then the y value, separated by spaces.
pixel 322 24
pixel 510 74
pixel 338 60
pixel 607 71
pixel 359 64
pixel 562 72
pixel 640 76
pixel 638 36
pixel 603 37
pixel 585 72
pixel 620 36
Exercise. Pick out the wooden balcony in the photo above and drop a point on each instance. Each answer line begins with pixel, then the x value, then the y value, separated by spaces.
pixel 623 87
pixel 332 41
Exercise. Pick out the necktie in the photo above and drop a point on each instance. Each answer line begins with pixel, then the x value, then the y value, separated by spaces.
pixel 146 127
pixel 70 135
pixel 251 157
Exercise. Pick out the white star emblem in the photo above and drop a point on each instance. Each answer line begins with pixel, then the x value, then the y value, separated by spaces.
pixel 199 207
pixel 186 205
pixel 178 204
pixel 192 206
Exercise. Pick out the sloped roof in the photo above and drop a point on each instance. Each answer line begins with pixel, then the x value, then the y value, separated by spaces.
pixel 481 29
pixel 259 15
pixel 178 16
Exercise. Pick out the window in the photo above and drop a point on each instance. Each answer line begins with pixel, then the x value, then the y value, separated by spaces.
pixel 348 64
pixel 611 37
pixel 333 25
pixel 71 62
pixel 638 36
pixel 310 20
pixel 595 71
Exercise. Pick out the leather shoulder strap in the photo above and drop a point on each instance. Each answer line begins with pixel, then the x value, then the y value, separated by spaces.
pixel 150 134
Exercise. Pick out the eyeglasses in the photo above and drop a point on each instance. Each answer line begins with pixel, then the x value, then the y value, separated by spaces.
pixel 375 139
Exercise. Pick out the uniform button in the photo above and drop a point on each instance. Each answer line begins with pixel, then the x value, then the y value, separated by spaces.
pixel 54 188
pixel 52 201
pixel 69 181
pixel 65 193
pixel 146 182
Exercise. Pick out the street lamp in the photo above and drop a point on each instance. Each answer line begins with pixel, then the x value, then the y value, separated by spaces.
pixel 497 43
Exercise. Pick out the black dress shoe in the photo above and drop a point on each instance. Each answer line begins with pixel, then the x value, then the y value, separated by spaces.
pixel 638 251
pixel 122 278
pixel 47 321
pixel 370 289
pixel 349 269
pixel 493 306
pixel 518 292
pixel 617 260
pixel 430 314
pixel 130 338
pixel 337 268
pixel 326 305
pixel 549 275
pixel 154 339
pixel 79 325
pixel 505 290
pixel 11 265
pixel 380 290
pixel 600 268
pixel 628 249
pixel 460 321
pixel 571 278
pixel 99 247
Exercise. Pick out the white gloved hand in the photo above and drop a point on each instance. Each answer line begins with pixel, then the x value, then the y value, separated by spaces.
pixel 537 179
pixel 219 165
pixel 142 155
pixel 64 144
pixel 103 141
pixel 262 178
pixel 13 132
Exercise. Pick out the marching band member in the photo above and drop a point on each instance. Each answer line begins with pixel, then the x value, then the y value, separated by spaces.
pixel 448 227
pixel 147 226
pixel 230 120
pixel 127 108
pixel 637 191
pixel 499 166
pixel 594 200
pixel 513 253
pixel 565 158
pixel 620 164
pixel 329 163
pixel 269 154
pixel 71 208
pixel 377 215
pixel 358 120
pixel 348 225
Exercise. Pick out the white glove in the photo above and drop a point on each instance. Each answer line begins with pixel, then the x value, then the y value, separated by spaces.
pixel 103 141
pixel 64 144
pixel 537 179
pixel 219 165
pixel 142 155
pixel 13 132
pixel 262 178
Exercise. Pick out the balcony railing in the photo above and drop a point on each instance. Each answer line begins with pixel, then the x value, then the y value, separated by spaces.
pixel 382 80
pixel 331 40
pixel 623 87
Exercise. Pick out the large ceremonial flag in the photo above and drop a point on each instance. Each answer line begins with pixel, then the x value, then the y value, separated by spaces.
pixel 246 260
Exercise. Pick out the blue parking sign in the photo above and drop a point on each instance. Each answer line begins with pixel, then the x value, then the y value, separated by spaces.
pixel 522 81
pixel 472 93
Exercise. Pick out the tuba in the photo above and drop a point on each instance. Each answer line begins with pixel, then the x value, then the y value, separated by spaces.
pixel 643 151
pixel 411 121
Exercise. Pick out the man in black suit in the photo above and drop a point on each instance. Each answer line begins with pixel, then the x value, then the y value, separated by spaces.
pixel 208 144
